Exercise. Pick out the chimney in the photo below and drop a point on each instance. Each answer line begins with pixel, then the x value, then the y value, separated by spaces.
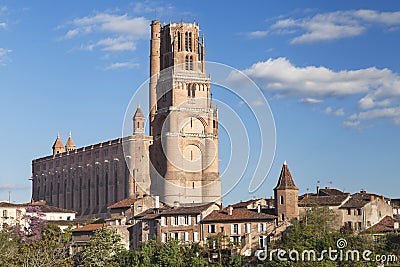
pixel 157 202
pixel 383 198
pixel 317 189
pixel 230 209
pixel 259 208
pixel 372 197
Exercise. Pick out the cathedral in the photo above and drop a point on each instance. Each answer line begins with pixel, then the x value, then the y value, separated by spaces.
pixel 178 161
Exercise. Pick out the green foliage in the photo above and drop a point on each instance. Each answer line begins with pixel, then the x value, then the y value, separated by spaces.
pixel 51 250
pixel 314 232
pixel 102 248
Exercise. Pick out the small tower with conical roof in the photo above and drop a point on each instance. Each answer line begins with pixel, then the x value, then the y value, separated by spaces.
pixel 286 196
pixel 70 144
pixel 138 122
pixel 58 146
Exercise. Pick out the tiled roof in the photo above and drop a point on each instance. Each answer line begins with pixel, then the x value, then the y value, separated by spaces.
pixel 237 215
pixel 153 213
pixel 330 192
pixel 125 203
pixel 11 205
pixel 149 214
pixel 322 200
pixel 89 227
pixel 244 204
pixel 187 210
pixel 355 202
pixel 43 207
pixel 285 179
pixel 51 209
pixel 385 225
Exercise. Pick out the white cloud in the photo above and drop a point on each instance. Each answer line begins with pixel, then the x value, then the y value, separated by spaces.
pixel 339 112
pixel 122 65
pixel 391 113
pixel 334 25
pixel 369 89
pixel 3 25
pixel 311 101
pixel 4 59
pixel 328 110
pixel 257 34
pixel 282 77
pixel 117 32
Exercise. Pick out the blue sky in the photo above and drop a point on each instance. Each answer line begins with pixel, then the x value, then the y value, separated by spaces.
pixel 329 70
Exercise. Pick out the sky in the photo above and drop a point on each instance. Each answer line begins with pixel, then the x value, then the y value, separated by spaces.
pixel 328 69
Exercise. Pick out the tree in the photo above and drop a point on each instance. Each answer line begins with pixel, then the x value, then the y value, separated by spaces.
pixel 102 249
pixel 51 250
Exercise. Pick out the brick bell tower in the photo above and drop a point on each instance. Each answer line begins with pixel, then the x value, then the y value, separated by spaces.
pixel 183 120
pixel 286 196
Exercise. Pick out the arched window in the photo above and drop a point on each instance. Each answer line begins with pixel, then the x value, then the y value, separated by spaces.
pixel 65 194
pixel 193 90
pixel 188 89
pixel 190 42
pixel 281 200
pixel 88 194
pixel 186 41
pixel 191 62
pixel 179 42
pixel 187 63
pixel 72 193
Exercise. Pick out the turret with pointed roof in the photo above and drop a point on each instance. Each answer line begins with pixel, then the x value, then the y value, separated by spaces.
pixel 286 196
pixel 285 179
pixel 138 121
pixel 58 146
pixel 70 144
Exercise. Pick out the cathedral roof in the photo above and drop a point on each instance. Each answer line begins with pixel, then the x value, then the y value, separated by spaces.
pixel 285 179
pixel 58 143
pixel 138 113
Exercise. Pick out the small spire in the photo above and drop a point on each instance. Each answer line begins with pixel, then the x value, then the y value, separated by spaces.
pixel 70 133
pixel 284 163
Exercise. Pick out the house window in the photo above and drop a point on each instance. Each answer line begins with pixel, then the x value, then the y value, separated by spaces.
pixel 235 229
pixel 198 218
pixel 281 200
pixel 263 241
pixel 175 220
pixel 359 225
pixel 186 237
pixel 212 228
pixel 359 212
pixel 261 227
pixel 195 237
pixel 163 237
pixel 248 228
pixel 186 220
pixel 176 236
pixel 348 211
pixel 5 213
pixel 235 240
pixel 162 221
pixel 283 216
